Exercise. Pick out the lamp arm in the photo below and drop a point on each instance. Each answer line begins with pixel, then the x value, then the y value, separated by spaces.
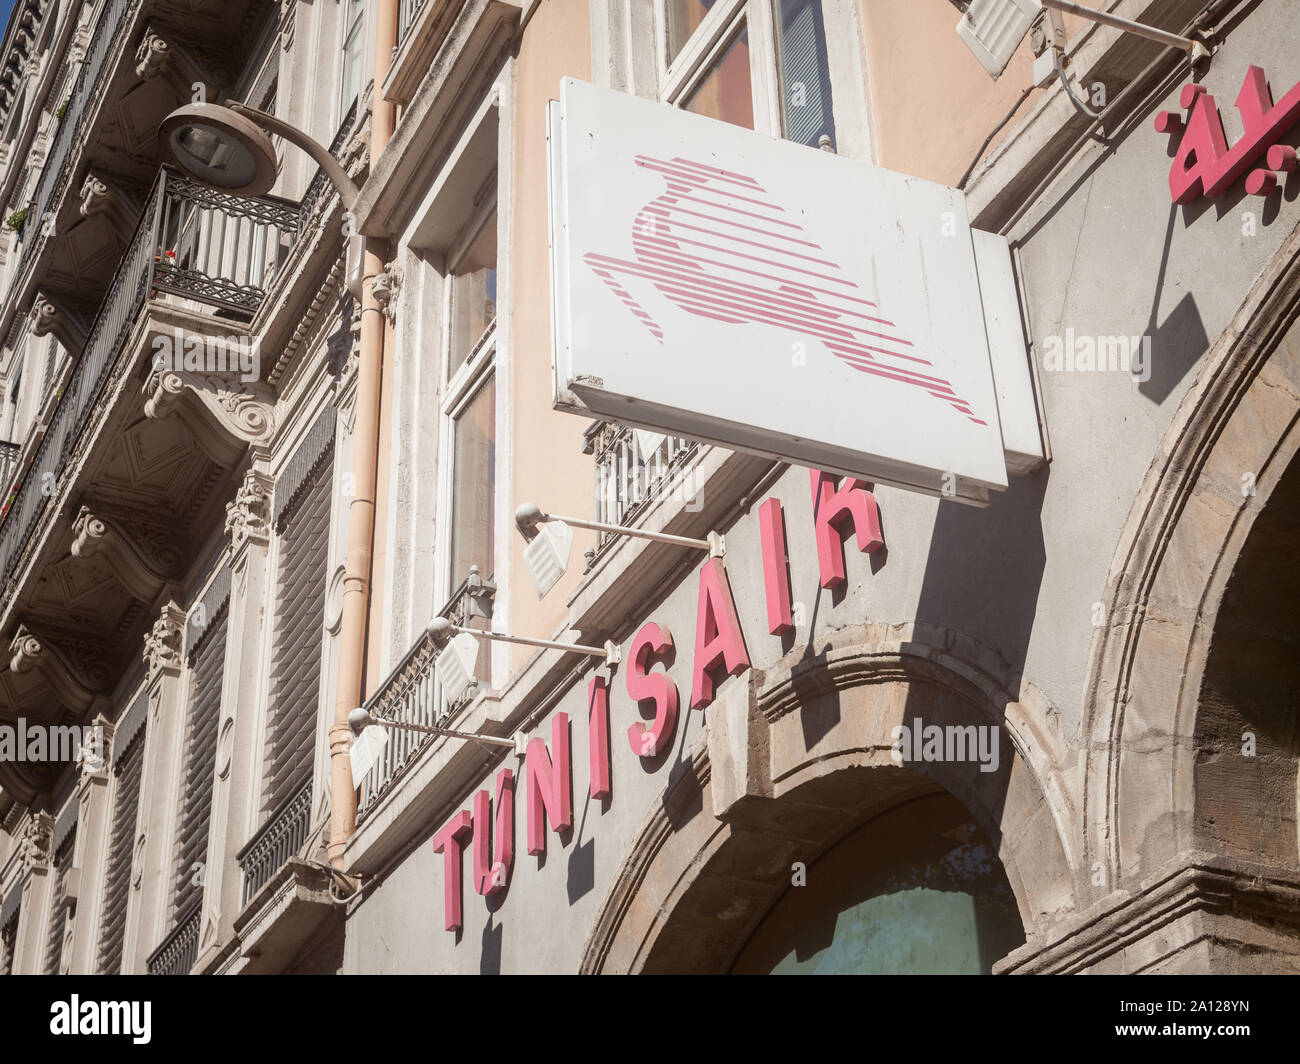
pixel 345 185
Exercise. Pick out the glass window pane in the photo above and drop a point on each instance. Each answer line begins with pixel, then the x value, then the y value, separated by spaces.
pixel 684 17
pixel 473 294
pixel 725 92
pixel 474 486
pixel 805 72
pixel 352 33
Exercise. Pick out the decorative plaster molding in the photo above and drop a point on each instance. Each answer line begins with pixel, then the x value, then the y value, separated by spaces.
pixel 34 843
pixel 224 419
pixel 140 556
pixel 248 518
pixel 162 646
pixel 71 666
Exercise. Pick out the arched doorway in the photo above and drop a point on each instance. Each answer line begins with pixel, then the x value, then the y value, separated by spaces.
pixel 918 889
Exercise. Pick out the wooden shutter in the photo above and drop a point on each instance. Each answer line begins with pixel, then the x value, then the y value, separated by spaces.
pixel 117 867
pixel 296 660
pixel 59 914
pixel 207 661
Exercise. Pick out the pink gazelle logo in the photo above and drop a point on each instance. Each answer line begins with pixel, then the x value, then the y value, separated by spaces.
pixel 715 246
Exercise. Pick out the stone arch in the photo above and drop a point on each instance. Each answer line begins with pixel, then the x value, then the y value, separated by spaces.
pixel 797 756
pixel 1180 556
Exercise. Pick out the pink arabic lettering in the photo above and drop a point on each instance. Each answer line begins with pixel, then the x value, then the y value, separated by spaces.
pixel 1204 164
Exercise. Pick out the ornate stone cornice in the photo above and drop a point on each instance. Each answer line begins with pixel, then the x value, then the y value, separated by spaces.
pixel 225 414
pixel 248 518
pixel 139 555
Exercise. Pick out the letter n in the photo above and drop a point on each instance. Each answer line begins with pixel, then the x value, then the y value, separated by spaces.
pixel 718 639
pixel 448 842
pixel 549 785
pixel 835 514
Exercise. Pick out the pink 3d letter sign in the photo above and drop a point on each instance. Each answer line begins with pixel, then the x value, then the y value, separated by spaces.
pixel 1204 164
pixel 717 283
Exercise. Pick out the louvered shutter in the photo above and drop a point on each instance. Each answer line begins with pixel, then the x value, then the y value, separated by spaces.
pixel 805 72
pixel 117 868
pixel 9 928
pixel 58 923
pixel 207 661
pixel 296 660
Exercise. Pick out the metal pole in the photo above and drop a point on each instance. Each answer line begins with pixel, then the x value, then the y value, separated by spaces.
pixel 425 729
pixel 548 644
pixel 622 530
pixel 1188 45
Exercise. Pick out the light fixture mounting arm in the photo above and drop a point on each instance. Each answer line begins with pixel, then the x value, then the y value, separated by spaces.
pixel 333 170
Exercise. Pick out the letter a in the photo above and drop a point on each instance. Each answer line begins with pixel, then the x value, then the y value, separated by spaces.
pixel 718 640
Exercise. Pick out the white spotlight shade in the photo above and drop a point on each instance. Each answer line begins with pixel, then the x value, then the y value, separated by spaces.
pixel 993 30
pixel 548 555
pixel 455 665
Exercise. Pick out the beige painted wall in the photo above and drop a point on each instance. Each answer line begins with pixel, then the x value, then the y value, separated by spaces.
pixel 549 467
pixel 933 103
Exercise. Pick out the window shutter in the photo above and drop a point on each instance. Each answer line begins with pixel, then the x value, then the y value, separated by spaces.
pixel 117 870
pixel 9 927
pixel 296 660
pixel 59 914
pixel 207 661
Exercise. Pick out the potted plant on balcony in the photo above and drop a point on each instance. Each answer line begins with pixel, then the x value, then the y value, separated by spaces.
pixel 4 510
pixel 17 220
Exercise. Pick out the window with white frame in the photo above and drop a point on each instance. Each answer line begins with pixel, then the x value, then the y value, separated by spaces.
pixel 469 403
pixel 354 24
pixel 761 64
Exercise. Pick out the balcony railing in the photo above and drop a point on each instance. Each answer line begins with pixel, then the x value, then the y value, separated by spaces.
pixel 56 172
pixel 180 949
pixel 628 480
pixel 407 11
pixel 321 182
pixel 8 460
pixel 278 840
pixel 411 692
pixel 187 242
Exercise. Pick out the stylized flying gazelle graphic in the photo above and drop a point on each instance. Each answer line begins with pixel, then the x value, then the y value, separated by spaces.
pixel 713 245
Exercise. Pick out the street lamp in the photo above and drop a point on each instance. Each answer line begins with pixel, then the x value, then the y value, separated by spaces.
pixel 228 148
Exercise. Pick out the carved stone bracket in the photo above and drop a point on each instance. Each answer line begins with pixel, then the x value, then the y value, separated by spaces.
pixel 248 518
pixel 162 646
pixel 184 64
pixel 386 285
pixel 100 197
pixel 225 414
pixel 73 667
pixel 34 843
pixel 95 752
pixel 49 316
pixel 139 555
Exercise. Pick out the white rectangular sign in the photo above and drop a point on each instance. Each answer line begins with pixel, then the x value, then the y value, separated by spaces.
pixel 716 283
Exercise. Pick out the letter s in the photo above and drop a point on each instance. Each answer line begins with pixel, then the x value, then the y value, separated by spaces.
pixel 650 643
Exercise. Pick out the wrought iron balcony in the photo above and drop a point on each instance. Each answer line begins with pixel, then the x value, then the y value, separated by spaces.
pixel 320 183
pixel 210 248
pixel 411 691
pixel 277 840
pixel 8 459
pixel 628 480
pixel 180 949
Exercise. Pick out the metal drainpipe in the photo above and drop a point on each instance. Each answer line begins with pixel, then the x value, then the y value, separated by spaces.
pixel 361 513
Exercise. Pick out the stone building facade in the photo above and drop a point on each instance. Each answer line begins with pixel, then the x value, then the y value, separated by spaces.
pixel 1094 675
